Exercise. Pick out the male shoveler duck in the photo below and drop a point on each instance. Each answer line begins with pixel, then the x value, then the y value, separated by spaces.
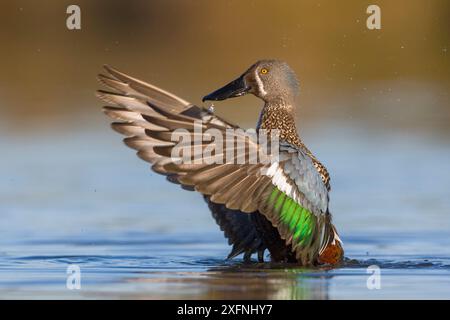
pixel 284 210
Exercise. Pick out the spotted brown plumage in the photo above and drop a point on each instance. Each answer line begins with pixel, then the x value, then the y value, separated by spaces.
pixel 278 117
pixel 280 206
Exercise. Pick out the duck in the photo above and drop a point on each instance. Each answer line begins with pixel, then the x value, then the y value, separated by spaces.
pixel 279 206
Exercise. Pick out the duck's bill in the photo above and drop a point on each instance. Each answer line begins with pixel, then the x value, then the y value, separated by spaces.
pixel 235 88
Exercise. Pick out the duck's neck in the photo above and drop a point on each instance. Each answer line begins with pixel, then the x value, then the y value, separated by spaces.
pixel 279 115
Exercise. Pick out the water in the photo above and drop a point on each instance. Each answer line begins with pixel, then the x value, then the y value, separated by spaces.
pixel 83 198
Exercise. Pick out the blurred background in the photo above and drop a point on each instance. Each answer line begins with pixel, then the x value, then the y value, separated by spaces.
pixel 374 108
pixel 396 77
pixel 373 102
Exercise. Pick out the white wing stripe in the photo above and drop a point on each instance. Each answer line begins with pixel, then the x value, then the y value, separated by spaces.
pixel 295 175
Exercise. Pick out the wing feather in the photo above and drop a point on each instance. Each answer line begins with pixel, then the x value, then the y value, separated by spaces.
pixel 149 116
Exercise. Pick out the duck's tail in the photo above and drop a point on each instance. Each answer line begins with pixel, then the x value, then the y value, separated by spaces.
pixel 331 250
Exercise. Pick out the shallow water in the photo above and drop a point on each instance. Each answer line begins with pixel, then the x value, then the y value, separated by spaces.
pixel 85 199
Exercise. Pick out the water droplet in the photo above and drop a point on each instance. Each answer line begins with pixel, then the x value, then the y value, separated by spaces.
pixel 211 108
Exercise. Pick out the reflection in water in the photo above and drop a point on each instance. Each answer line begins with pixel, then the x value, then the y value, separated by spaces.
pixel 278 281
pixel 266 283
pixel 241 281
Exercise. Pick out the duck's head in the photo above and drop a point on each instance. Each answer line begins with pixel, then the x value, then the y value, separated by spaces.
pixel 267 79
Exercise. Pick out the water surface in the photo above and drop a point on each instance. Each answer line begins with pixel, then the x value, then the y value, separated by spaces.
pixel 85 199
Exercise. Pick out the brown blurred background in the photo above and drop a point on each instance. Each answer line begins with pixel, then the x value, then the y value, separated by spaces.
pixel 397 77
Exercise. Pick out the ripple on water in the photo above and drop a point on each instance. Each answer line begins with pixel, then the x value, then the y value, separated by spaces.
pixel 418 263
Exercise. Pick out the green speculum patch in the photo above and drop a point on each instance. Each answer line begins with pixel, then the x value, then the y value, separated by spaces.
pixel 300 221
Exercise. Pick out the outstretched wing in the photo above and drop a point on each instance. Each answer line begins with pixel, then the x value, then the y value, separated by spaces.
pixel 131 103
pixel 289 192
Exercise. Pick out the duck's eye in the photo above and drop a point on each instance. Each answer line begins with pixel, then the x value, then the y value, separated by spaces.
pixel 264 70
